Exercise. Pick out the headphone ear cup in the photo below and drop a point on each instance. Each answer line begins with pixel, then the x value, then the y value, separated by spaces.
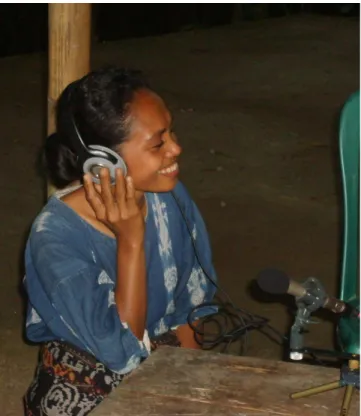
pixel 95 163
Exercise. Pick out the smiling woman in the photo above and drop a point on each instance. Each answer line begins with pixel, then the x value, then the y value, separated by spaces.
pixel 152 150
pixel 110 267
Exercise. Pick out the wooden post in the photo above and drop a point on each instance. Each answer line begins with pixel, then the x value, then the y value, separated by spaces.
pixel 69 51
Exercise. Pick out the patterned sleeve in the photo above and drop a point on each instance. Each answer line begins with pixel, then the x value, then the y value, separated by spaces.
pixel 80 298
pixel 194 287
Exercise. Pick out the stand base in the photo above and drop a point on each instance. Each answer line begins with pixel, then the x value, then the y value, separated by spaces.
pixel 349 378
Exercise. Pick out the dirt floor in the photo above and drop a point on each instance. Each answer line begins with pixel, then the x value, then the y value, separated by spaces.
pixel 256 111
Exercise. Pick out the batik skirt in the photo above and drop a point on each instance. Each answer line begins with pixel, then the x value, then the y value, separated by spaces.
pixel 69 381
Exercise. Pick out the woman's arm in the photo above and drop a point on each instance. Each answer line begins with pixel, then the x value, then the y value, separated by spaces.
pixel 130 289
pixel 185 335
pixel 119 210
pixel 75 296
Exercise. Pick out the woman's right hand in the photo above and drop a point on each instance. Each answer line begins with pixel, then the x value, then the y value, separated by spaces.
pixel 116 206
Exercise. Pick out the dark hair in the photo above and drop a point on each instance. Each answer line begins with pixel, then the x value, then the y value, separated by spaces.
pixel 98 104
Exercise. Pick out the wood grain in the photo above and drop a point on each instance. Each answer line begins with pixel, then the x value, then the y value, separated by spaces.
pixel 176 381
pixel 69 51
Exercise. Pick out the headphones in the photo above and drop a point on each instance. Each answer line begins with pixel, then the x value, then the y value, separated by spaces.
pixel 95 157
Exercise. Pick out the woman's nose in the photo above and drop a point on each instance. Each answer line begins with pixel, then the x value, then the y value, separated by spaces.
pixel 174 149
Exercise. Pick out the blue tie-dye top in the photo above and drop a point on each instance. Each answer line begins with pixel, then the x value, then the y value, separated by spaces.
pixel 71 275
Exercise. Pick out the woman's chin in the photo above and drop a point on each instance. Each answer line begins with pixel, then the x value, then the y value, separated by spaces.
pixel 163 184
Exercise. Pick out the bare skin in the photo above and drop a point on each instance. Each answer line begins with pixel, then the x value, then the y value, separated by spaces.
pixel 118 211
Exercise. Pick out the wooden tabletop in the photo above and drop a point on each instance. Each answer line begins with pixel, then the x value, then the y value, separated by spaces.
pixel 177 381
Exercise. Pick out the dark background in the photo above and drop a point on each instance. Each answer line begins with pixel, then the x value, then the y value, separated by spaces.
pixel 23 27
pixel 256 107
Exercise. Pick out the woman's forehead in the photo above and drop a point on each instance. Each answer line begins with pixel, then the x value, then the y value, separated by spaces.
pixel 148 110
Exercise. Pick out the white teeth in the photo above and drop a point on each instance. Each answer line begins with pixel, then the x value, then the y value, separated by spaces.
pixel 170 169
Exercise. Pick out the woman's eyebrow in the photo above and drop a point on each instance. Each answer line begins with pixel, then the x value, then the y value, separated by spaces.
pixel 156 134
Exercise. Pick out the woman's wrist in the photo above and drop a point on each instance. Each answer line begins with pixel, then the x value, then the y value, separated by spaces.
pixel 130 244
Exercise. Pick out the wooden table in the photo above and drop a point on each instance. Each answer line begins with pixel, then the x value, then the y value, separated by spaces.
pixel 176 381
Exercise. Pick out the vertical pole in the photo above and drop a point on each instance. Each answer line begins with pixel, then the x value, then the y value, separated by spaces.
pixel 69 51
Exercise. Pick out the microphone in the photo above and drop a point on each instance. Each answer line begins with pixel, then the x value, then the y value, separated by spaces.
pixel 277 282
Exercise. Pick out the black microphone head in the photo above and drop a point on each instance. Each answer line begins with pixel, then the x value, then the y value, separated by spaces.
pixel 273 281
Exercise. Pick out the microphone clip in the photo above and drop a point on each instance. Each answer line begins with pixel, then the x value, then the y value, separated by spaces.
pixel 313 299
pixel 315 295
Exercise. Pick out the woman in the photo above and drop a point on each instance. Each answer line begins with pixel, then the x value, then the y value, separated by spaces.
pixel 111 269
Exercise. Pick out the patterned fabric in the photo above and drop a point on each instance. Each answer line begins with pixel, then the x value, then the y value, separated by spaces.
pixel 71 275
pixel 70 382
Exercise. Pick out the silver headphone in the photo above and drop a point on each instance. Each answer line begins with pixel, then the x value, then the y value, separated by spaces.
pixel 95 157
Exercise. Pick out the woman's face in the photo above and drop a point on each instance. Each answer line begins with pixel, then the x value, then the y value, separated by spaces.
pixel 151 150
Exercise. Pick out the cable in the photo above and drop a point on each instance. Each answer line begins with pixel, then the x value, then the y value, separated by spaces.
pixel 240 320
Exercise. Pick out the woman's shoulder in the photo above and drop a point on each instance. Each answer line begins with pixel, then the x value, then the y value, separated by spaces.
pixel 56 221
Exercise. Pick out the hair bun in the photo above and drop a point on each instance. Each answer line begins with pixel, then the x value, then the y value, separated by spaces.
pixel 59 162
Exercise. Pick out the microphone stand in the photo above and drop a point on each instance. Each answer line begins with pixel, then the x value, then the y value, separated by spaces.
pixel 350 371
pixel 349 378
pixel 313 300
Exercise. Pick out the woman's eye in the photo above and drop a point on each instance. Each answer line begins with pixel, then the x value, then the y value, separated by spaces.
pixel 158 146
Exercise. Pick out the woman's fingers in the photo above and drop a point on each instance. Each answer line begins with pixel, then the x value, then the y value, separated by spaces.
pixel 132 205
pixel 93 197
pixel 112 205
pixel 130 191
pixel 120 190
pixel 106 190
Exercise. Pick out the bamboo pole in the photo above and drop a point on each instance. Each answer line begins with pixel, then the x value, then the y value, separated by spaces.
pixel 69 52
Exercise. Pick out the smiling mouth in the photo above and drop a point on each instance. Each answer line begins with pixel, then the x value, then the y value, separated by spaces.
pixel 172 169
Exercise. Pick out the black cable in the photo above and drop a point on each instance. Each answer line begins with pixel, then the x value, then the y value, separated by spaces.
pixel 242 321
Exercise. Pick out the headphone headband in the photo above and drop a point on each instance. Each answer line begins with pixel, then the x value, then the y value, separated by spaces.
pixel 85 152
